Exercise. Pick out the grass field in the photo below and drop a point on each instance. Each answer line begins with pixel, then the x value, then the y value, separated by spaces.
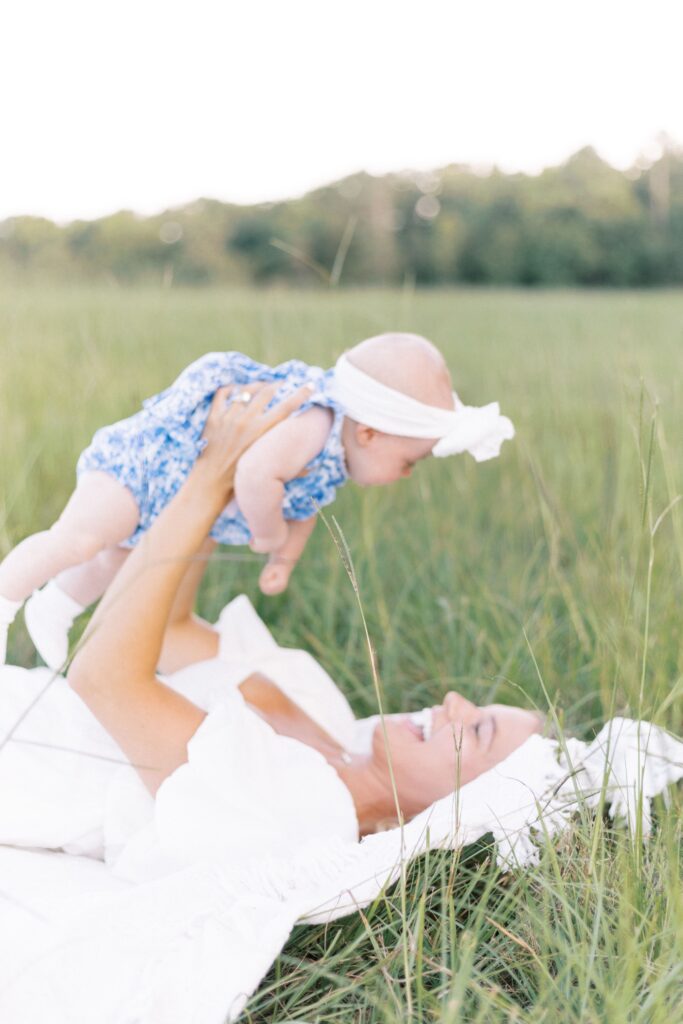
pixel 545 575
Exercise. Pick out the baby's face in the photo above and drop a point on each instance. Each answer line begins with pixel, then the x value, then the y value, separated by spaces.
pixel 374 458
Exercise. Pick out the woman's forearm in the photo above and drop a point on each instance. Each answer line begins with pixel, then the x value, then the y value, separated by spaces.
pixel 114 670
pixel 138 604
pixel 126 633
pixel 186 642
pixel 188 638
pixel 286 717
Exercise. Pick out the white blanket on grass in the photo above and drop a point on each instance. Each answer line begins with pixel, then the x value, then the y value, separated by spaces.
pixel 175 933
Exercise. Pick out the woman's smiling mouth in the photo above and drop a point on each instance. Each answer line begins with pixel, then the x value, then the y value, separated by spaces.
pixel 421 723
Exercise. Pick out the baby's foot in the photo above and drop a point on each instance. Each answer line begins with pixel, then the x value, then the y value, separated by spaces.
pixel 49 615
pixel 8 610
pixel 275 576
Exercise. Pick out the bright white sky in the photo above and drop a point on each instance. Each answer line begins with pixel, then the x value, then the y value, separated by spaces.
pixel 146 104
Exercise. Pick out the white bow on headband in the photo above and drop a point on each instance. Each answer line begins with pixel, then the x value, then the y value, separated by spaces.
pixel 479 430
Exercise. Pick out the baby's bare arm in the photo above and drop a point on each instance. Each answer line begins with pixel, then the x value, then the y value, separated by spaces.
pixel 262 472
pixel 297 537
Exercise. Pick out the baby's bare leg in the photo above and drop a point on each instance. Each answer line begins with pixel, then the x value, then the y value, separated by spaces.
pixel 100 514
pixel 86 583
pixel 275 577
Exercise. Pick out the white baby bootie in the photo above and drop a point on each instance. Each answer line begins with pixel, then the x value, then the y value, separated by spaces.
pixel 8 611
pixel 49 615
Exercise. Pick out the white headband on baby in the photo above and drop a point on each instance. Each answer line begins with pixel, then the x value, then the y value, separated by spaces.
pixel 479 430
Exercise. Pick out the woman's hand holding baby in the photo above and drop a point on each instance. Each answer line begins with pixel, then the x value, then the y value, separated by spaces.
pixel 233 426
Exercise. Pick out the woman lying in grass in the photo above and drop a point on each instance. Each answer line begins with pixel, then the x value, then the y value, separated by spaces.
pixel 256 783
pixel 258 755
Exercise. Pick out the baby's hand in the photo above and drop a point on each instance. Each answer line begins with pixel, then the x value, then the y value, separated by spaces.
pixel 266 545
pixel 275 575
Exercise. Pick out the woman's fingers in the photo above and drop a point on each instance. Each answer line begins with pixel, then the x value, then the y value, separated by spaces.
pixel 219 403
pixel 236 423
pixel 230 395
pixel 261 395
pixel 252 414
pixel 227 412
pixel 288 405
pixel 263 421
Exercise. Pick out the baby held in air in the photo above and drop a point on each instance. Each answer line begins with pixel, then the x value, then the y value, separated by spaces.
pixel 386 404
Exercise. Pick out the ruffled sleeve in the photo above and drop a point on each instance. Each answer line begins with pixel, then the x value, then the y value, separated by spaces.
pixel 246 645
pixel 244 793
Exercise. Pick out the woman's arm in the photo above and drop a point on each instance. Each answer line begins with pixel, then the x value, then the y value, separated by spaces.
pixel 287 718
pixel 114 671
pixel 188 637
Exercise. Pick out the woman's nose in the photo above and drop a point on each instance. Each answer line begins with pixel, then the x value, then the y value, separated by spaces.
pixel 458 707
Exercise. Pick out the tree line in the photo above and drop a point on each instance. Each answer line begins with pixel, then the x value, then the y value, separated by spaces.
pixel 583 223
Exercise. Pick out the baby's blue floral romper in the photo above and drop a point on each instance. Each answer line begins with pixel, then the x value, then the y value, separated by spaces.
pixel 152 452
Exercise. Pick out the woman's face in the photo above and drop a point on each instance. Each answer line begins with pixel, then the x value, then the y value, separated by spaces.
pixel 464 741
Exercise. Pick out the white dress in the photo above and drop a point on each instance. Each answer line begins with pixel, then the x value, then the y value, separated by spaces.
pixel 245 791
pixel 202 886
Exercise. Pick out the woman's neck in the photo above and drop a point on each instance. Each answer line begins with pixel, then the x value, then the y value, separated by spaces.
pixel 371 795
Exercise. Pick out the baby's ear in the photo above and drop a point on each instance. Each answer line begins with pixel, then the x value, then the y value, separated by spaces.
pixel 364 434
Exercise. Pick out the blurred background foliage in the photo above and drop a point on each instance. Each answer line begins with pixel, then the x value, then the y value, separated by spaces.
pixel 583 223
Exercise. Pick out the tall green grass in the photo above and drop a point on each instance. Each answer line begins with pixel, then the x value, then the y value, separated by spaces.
pixel 554 571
